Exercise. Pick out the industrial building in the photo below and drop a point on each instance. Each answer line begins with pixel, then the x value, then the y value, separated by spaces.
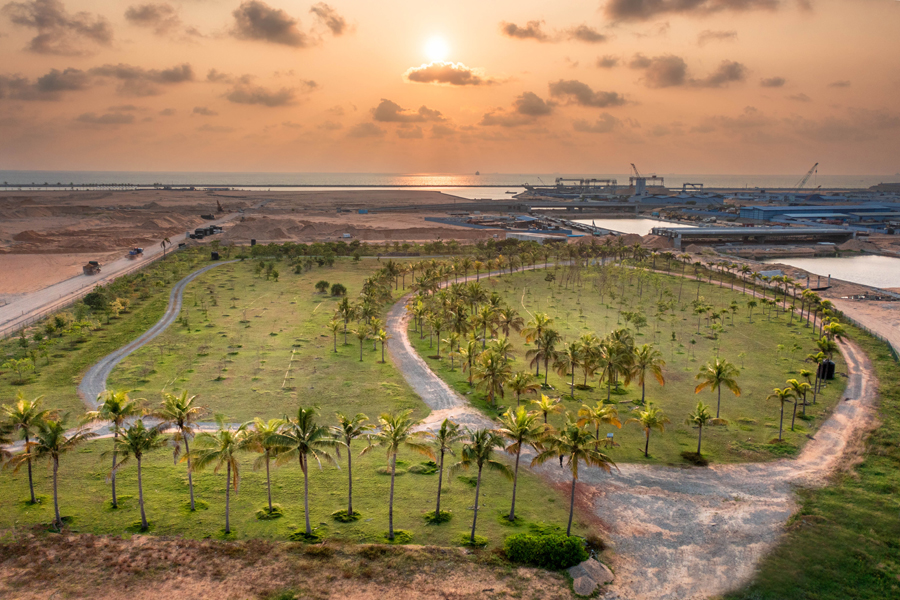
pixel 849 212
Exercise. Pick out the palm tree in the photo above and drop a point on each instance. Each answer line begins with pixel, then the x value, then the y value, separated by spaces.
pixel 383 337
pixel 492 372
pixel 547 405
pixel 700 417
pixel 533 331
pixel 751 304
pixel 114 408
pixel 598 415
pixel 648 358
pixel 477 450
pixel 545 351
pixel 522 382
pixel 396 431
pixel 220 449
pixel 468 356
pixel 579 445
pixel 347 430
pixel 181 413
pixel 23 419
pixel 165 243
pixel 443 439
pixel 335 326
pixel 783 396
pixel 508 319
pixel 299 438
pixel 650 418
pixel 567 360
pixel 362 334
pixel 716 374
pixel 799 390
pixel 259 439
pixel 51 440
pixel 521 428
pixel 137 441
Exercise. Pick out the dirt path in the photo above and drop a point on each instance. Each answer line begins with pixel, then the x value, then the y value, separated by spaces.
pixel 682 533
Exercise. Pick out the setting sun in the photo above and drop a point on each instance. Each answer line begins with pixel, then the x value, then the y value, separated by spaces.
pixel 436 49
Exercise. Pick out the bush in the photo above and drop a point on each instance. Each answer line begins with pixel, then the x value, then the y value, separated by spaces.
pixel 426 468
pixel 549 551
pixel 341 516
pixel 433 519
pixel 465 539
pixel 338 289
pixel 695 459
pixel 264 514
pixel 401 536
pixel 321 286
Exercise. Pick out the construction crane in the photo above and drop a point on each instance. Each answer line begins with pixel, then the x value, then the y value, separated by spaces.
pixel 805 177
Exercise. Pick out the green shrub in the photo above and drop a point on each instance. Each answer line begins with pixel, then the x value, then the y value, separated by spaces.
pixel 426 468
pixel 465 539
pixel 264 514
pixel 342 517
pixel 401 536
pixel 433 519
pixel 548 551
pixel 695 459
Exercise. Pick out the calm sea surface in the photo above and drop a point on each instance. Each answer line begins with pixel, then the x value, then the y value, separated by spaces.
pixel 876 271
pixel 638 226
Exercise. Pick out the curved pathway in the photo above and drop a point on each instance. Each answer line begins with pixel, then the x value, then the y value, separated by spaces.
pixel 94 381
pixel 678 532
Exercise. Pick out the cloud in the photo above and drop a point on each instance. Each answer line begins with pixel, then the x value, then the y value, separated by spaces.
pixel 607 62
pixel 531 31
pixel 167 112
pixel 162 18
pixel 215 128
pixel 112 118
pixel 256 20
pixel 137 81
pixel 441 131
pixel 526 108
pixel 246 93
pixel 330 125
pixel 204 111
pixel 772 82
pixel 661 71
pixel 801 97
pixel 414 133
pixel 581 93
pixel 584 33
pixel 124 108
pixel 47 87
pixel 839 84
pixel 727 72
pixel 58 32
pixel 707 35
pixel 330 18
pixel 216 76
pixel 391 112
pixel 365 130
pixel 446 73
pixel 644 10
pixel 605 123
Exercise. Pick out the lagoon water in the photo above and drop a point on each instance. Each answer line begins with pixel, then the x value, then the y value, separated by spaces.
pixel 876 271
pixel 638 226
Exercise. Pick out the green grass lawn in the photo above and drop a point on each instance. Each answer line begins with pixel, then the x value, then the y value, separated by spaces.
pixel 845 540
pixel 256 347
pixel 84 496
pixel 752 420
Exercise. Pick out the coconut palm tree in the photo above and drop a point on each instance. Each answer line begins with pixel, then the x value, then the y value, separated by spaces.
pixel 181 413
pixel 818 358
pixel 567 360
pixel 137 440
pixel 395 432
pixel 347 430
pixel 522 382
pixel 648 358
pixel 799 389
pixel 383 337
pixel 650 418
pixel 114 408
pixel 362 334
pixel 547 405
pixel 259 439
pixel 751 304
pixel 783 395
pixel 299 438
pixel 544 352
pixel 521 428
pixel 52 440
pixel 335 326
pixel 534 330
pixel 715 375
pixel 508 319
pixel 442 440
pixel 477 450
pixel 22 420
pixel 492 371
pixel 597 415
pixel 469 355
pixel 579 445
pixel 700 417
pixel 220 449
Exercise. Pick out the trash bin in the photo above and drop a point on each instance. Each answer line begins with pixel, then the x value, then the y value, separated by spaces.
pixel 826 370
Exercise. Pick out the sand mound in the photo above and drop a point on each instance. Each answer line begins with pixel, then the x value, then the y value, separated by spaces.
pixel 857 245
pixel 656 242
pixel 630 239
pixel 28 236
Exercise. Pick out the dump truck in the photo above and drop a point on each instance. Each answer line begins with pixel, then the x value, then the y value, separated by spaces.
pixel 135 253
pixel 91 268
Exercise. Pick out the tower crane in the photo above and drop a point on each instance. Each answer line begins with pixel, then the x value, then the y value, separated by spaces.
pixel 805 177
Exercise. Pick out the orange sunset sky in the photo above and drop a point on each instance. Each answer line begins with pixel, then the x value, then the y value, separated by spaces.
pixel 692 86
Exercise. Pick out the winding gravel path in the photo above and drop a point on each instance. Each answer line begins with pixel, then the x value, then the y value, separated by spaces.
pixel 94 382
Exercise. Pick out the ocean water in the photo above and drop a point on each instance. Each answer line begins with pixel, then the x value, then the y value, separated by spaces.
pixel 28 179
pixel 638 226
pixel 869 269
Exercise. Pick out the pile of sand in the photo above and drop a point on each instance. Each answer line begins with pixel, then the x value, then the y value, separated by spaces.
pixel 858 245
pixel 630 239
pixel 657 242
pixel 694 249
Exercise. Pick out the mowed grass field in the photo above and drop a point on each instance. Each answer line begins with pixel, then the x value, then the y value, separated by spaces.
pixel 752 347
pixel 251 347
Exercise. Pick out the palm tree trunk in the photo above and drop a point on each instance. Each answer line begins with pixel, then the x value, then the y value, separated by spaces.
pixel 391 501
pixel 335 342
pixel 187 452
pixel 28 460
pixel 573 382
pixel 546 370
pixel 571 506
pixel 382 353
pixel 227 497
pixel 475 514
pixel 512 510
pixel 360 350
pixel 699 439
pixel 349 481
pixel 781 422
pixel 115 504
pixel 643 392
pixel 647 445
pixel 794 415
pixel 719 401
pixel 268 481
pixel 305 467
pixel 58 521
pixel 437 510
pixel 144 524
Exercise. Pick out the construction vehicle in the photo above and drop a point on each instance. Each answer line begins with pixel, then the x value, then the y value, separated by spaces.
pixel 806 177
pixel 135 253
pixel 91 268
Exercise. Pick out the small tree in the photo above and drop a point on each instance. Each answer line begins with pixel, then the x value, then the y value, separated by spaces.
pixel 338 289
pixel 137 441
pixel 347 430
pixel 23 419
pixel 650 418
pixel 783 396
pixel 700 417
pixel 335 326
pixel 220 449
pixel 443 439
pixel 521 428
pixel 477 450
pixel 322 286
pixel 259 439
pixel 114 408
pixel 21 366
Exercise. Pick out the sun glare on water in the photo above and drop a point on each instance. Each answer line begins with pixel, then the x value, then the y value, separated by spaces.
pixel 437 49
